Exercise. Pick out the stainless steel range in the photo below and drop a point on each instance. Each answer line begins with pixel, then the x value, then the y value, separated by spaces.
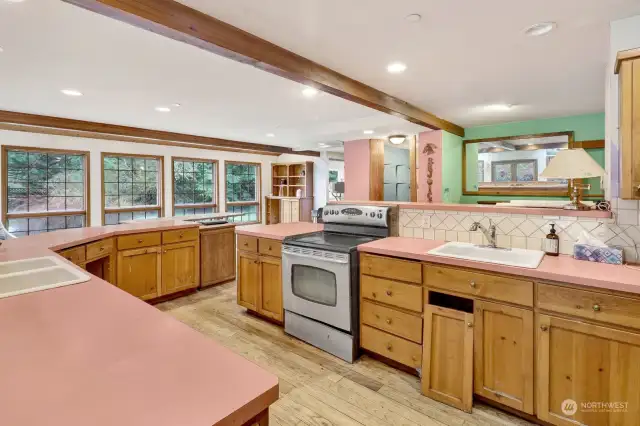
pixel 320 277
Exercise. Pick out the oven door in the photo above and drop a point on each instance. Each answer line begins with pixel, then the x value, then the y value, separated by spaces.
pixel 316 284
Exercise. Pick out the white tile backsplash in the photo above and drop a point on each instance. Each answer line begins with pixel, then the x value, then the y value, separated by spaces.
pixel 526 231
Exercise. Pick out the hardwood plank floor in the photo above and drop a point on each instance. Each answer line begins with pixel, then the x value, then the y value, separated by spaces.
pixel 316 388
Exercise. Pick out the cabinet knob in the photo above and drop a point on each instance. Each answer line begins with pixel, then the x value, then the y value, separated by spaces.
pixel 269 248
pixel 374 294
pixel 596 308
pixel 389 347
pixel 544 327
pixel 139 241
pixel 246 244
pixel 389 321
pixel 470 324
pixel 472 284
pixel 101 248
pixel 164 251
pixel 389 293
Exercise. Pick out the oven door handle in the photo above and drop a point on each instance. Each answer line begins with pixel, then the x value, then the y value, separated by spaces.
pixel 324 259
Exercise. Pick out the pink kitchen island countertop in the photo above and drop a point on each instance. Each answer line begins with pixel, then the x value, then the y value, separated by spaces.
pixel 91 354
pixel 561 269
pixel 279 231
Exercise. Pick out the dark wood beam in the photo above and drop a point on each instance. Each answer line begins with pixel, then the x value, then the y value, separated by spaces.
pixel 179 22
pixel 137 134
pixel 594 144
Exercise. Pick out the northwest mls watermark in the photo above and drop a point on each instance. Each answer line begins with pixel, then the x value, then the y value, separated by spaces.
pixel 570 407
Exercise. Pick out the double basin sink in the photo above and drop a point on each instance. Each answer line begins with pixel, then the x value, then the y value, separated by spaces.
pixel 511 257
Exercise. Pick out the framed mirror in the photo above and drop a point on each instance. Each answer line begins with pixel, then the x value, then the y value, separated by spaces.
pixel 512 166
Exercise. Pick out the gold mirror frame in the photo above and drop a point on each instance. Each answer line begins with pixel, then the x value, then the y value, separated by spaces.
pixel 524 192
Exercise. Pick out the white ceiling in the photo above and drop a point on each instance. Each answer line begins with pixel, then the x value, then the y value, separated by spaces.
pixel 125 72
pixel 462 54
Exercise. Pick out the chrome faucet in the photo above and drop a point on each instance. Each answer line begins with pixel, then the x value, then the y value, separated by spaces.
pixel 490 233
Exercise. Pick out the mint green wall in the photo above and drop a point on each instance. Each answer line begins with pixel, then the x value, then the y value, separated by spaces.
pixel 451 168
pixel 585 127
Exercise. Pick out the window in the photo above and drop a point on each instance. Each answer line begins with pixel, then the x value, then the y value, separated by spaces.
pixel 243 191
pixel 132 187
pixel 514 171
pixel 46 190
pixel 194 186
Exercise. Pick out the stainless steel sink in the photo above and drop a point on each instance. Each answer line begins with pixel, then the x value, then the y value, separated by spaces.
pixel 512 257
pixel 41 273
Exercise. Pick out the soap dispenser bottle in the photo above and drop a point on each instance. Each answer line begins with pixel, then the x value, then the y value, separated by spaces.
pixel 552 242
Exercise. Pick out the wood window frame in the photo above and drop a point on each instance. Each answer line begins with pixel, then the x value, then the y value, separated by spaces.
pixel 258 201
pixel 5 185
pixel 216 185
pixel 159 209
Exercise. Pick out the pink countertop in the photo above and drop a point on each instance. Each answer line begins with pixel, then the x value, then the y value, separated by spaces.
pixel 483 208
pixel 279 231
pixel 91 354
pixel 562 268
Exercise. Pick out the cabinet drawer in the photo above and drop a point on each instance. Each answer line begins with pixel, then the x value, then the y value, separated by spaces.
pixel 75 254
pixel 180 235
pixel 402 295
pixel 587 304
pixel 99 248
pixel 247 243
pixel 386 267
pixel 392 321
pixel 138 240
pixel 270 247
pixel 482 285
pixel 392 347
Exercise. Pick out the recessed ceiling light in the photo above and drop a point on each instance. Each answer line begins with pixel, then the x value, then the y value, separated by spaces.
pixel 15 1
pixel 497 107
pixel 271 135
pixel 323 145
pixel 71 92
pixel 1 50
pixel 176 105
pixel 396 68
pixel 414 17
pixel 163 109
pixel 368 132
pixel 310 92
pixel 540 29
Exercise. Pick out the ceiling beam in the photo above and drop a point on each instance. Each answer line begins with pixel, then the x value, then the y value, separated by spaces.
pixel 115 131
pixel 179 22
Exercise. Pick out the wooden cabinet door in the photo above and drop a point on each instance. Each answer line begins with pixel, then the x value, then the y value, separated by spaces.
pixel 295 210
pixel 248 280
pixel 270 293
pixel 217 256
pixel 585 363
pixel 139 272
pixel 179 267
pixel 503 355
pixel 285 211
pixel 629 133
pixel 447 356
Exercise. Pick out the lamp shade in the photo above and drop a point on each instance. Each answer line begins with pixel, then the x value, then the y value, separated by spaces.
pixel 572 164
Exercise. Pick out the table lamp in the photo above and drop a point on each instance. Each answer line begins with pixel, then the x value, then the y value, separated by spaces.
pixel 573 164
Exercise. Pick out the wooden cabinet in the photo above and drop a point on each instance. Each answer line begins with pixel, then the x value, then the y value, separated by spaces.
pixel 628 66
pixel 586 363
pixel 503 354
pixel 288 210
pixel 447 360
pixel 179 267
pixel 260 276
pixel 140 272
pixel 270 290
pixel 217 256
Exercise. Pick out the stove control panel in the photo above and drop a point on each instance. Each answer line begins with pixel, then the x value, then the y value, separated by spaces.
pixel 356 215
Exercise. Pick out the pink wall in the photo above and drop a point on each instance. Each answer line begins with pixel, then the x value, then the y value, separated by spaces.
pixel 424 138
pixel 356 170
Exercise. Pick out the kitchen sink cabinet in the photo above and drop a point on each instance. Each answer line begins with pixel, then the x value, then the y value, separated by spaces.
pixel 180 266
pixel 503 354
pixel 140 272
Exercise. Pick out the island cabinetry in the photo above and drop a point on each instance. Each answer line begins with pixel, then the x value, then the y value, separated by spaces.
pixel 97 258
pixel 140 272
pixel 260 276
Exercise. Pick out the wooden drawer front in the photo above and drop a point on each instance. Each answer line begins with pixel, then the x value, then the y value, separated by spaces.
pixel 407 296
pixel 74 255
pixel 139 240
pixel 392 347
pixel 482 285
pixel 247 243
pixel 99 248
pixel 387 267
pixel 393 321
pixel 270 247
pixel 587 304
pixel 180 235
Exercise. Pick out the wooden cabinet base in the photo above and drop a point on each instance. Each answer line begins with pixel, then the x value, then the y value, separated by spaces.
pixel 261 419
